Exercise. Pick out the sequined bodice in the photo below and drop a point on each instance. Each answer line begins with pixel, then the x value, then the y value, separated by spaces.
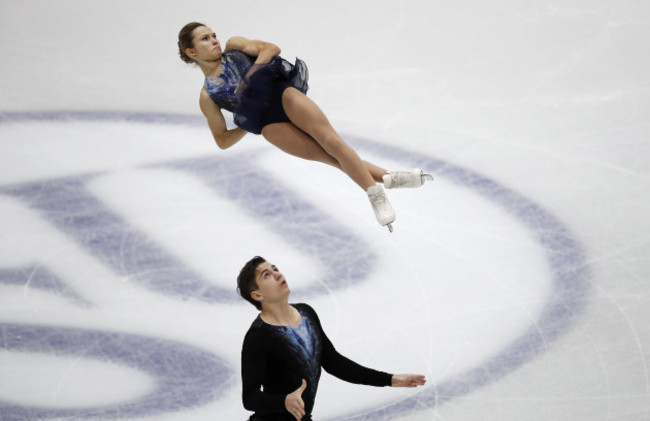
pixel 234 65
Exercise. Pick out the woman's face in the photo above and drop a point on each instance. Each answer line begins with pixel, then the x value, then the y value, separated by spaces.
pixel 206 45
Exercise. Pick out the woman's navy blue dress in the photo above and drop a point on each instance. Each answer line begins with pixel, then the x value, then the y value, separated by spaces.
pixel 253 92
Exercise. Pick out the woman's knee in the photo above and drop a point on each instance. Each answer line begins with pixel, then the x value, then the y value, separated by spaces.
pixel 332 143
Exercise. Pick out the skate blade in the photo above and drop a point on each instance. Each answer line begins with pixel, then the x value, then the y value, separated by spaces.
pixel 390 227
pixel 426 177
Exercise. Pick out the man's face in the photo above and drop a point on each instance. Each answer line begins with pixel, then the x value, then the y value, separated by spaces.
pixel 271 285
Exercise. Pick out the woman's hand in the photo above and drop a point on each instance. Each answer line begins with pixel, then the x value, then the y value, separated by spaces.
pixel 408 380
pixel 294 403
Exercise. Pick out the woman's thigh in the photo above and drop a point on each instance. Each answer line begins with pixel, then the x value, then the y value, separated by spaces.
pixel 307 115
pixel 290 139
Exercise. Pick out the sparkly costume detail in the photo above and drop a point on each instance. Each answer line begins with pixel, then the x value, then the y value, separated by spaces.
pixel 234 65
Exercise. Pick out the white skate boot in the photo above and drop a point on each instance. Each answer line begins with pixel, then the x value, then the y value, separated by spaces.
pixel 405 178
pixel 383 210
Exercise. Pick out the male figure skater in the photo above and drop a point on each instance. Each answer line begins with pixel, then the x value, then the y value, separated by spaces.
pixel 285 348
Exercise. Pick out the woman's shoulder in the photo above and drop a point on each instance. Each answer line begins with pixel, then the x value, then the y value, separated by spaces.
pixel 206 102
pixel 204 95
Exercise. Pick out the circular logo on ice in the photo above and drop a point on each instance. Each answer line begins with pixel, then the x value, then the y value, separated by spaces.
pixel 130 228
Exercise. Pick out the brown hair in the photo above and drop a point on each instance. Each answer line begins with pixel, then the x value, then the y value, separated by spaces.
pixel 246 280
pixel 186 40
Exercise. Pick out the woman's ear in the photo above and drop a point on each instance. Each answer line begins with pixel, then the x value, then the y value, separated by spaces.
pixel 190 53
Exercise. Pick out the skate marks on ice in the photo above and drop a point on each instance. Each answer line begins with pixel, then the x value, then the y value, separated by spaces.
pixel 85 212
pixel 569 273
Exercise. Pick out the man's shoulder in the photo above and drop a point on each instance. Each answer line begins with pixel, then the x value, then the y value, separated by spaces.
pixel 255 334
pixel 256 325
pixel 308 311
pixel 304 307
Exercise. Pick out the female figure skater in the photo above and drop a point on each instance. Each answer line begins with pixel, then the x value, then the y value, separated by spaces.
pixel 286 347
pixel 266 95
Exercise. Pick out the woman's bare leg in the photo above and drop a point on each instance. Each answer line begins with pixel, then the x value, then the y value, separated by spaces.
pixel 309 118
pixel 292 140
pixel 376 172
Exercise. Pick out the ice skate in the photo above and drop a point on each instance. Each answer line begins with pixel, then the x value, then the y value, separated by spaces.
pixel 383 210
pixel 405 178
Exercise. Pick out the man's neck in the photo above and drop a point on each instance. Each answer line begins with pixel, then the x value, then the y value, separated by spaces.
pixel 280 315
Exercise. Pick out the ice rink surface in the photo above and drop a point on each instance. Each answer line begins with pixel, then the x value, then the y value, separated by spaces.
pixel 517 281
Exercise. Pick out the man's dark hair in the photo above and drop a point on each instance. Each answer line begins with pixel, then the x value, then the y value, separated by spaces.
pixel 246 280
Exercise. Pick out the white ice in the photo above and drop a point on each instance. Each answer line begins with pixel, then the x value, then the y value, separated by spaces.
pixel 517 281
